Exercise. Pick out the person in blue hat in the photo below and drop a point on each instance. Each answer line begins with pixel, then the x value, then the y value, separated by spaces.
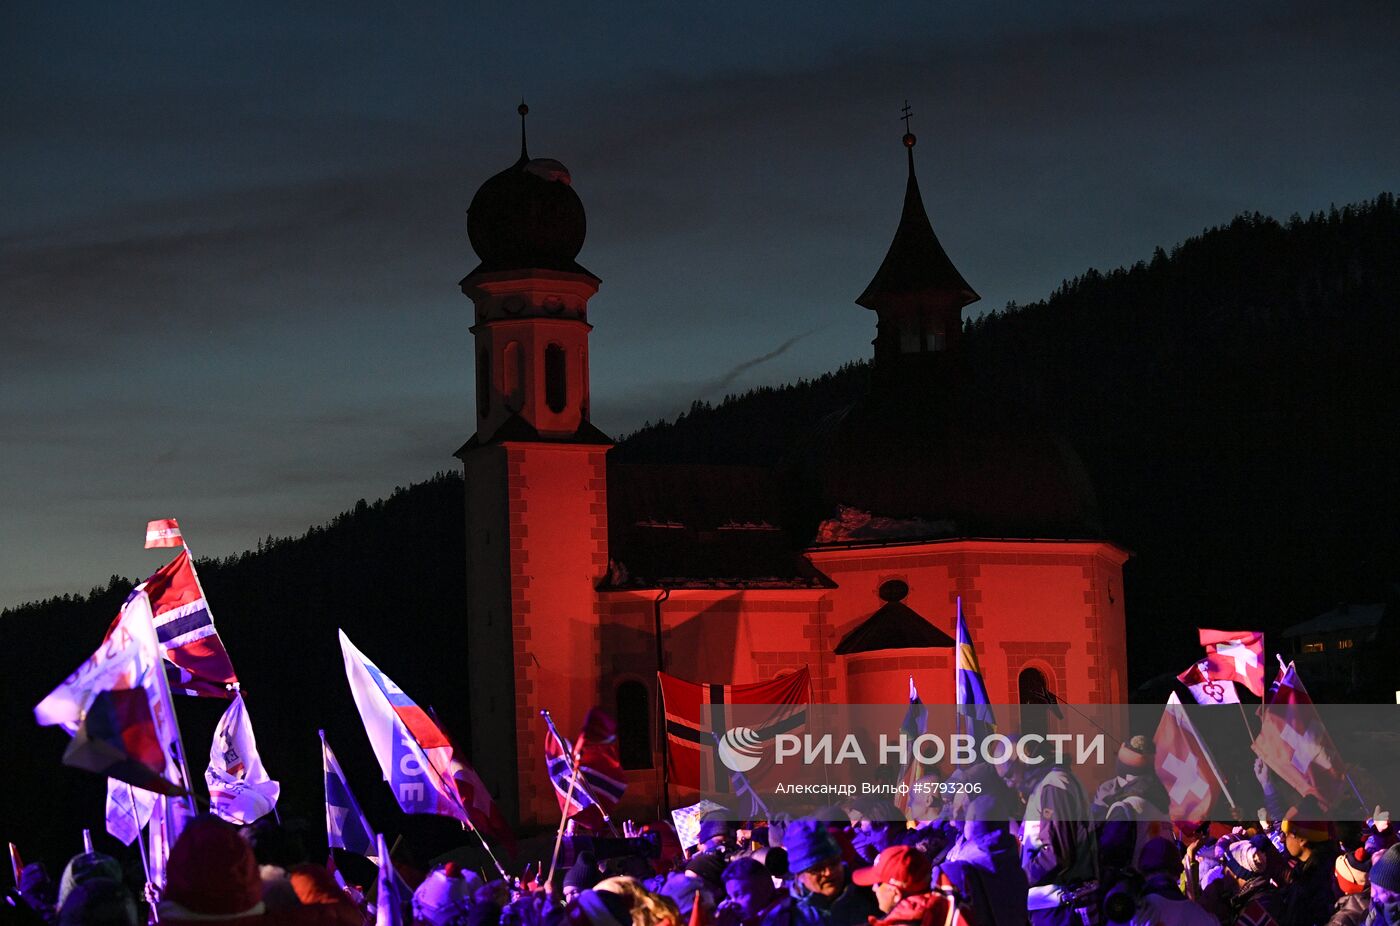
pixel 820 879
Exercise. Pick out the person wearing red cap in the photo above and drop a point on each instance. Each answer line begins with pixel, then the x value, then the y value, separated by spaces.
pixel 902 879
pixel 212 876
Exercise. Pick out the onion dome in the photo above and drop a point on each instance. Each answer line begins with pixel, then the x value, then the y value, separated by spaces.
pixel 527 217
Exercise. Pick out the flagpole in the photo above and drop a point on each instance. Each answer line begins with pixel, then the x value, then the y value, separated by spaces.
pixel 563 815
pixel 141 845
pixel 1205 751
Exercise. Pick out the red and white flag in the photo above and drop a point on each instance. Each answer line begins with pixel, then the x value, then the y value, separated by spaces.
pixel 1237 655
pixel 1207 690
pixel 1294 743
pixel 600 783
pixel 163 533
pixel 1183 766
pixel 186 631
pixel 696 714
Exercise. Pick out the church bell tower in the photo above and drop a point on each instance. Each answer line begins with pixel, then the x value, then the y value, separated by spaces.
pixel 536 500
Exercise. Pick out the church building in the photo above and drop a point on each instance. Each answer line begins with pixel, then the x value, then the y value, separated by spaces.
pixel 585 577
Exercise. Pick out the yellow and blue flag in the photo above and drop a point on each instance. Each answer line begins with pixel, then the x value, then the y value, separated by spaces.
pixel 975 714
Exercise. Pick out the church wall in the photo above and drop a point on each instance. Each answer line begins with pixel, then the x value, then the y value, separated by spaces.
pixel 1027 603
pixel 557 512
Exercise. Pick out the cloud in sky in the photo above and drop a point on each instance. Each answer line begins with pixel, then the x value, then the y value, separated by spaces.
pixel 229 257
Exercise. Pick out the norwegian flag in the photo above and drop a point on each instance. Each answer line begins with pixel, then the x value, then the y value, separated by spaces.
pixel 185 628
pixel 1237 655
pixel 1294 743
pixel 601 780
pixel 163 533
pixel 1183 766
pixel 1207 690
pixel 694 712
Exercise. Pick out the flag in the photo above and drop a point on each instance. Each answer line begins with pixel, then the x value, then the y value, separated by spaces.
pixel 1207 690
pixel 186 631
pixel 117 709
pixel 240 790
pixel 687 822
pixel 1294 743
pixel 691 707
pixel 1237 655
pixel 163 533
pixel 1255 914
pixel 1183 766
pixel 346 826
pixel 117 737
pixel 974 707
pixel 411 749
pixel 388 903
pixel 601 780
pixel 915 724
pixel 128 809
pixel 472 791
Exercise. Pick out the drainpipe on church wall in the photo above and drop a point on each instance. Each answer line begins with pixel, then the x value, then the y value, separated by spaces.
pixel 664 781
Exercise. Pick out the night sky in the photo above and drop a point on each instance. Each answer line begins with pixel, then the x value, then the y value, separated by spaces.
pixel 230 239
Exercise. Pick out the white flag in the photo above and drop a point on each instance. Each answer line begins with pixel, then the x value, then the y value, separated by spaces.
pixel 1207 690
pixel 128 809
pixel 240 790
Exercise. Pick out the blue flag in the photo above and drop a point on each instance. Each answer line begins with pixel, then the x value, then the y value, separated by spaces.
pixel 974 707
pixel 346 826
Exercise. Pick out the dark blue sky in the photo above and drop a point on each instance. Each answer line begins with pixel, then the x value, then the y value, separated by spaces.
pixel 230 238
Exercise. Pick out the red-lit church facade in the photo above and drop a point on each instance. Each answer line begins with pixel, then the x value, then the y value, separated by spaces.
pixel 586 576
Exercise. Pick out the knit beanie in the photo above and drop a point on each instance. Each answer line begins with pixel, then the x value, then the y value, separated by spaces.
pixel 808 843
pixel 1352 875
pixel 1385 871
pixel 1309 831
pixel 212 870
pixel 583 873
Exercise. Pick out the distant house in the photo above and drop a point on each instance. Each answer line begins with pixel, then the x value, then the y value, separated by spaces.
pixel 1339 653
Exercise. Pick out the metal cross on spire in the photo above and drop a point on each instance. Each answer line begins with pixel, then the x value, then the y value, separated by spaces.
pixel 908 114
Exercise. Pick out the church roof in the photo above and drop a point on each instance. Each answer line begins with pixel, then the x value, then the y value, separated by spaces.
pixel 698 526
pixel 516 428
pixel 893 626
pixel 916 266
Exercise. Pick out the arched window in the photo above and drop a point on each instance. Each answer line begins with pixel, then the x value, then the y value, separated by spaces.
pixel 483 384
pixel 634 725
pixel 1035 697
pixel 556 392
pixel 514 372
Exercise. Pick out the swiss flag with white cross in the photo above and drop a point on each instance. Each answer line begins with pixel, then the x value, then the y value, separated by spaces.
pixel 1237 655
pixel 1294 743
pixel 1182 765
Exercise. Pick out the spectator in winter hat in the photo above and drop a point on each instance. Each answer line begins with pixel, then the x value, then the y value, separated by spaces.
pixel 445 895
pixel 820 878
pixel 211 876
pixel 96 901
pixel 581 876
pixel 87 867
pixel 1385 889
pixel 1246 863
pixel 1311 892
pixel 1352 876
pixel 898 872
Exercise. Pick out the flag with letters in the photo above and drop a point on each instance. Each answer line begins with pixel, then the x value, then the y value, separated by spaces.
pixel 695 711
pixel 240 790
pixel 116 707
pixel 186 631
pixel 1236 655
pixel 346 826
pixel 410 748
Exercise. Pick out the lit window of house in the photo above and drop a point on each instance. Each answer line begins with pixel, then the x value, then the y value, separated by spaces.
pixel 1313 647
pixel 1344 644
